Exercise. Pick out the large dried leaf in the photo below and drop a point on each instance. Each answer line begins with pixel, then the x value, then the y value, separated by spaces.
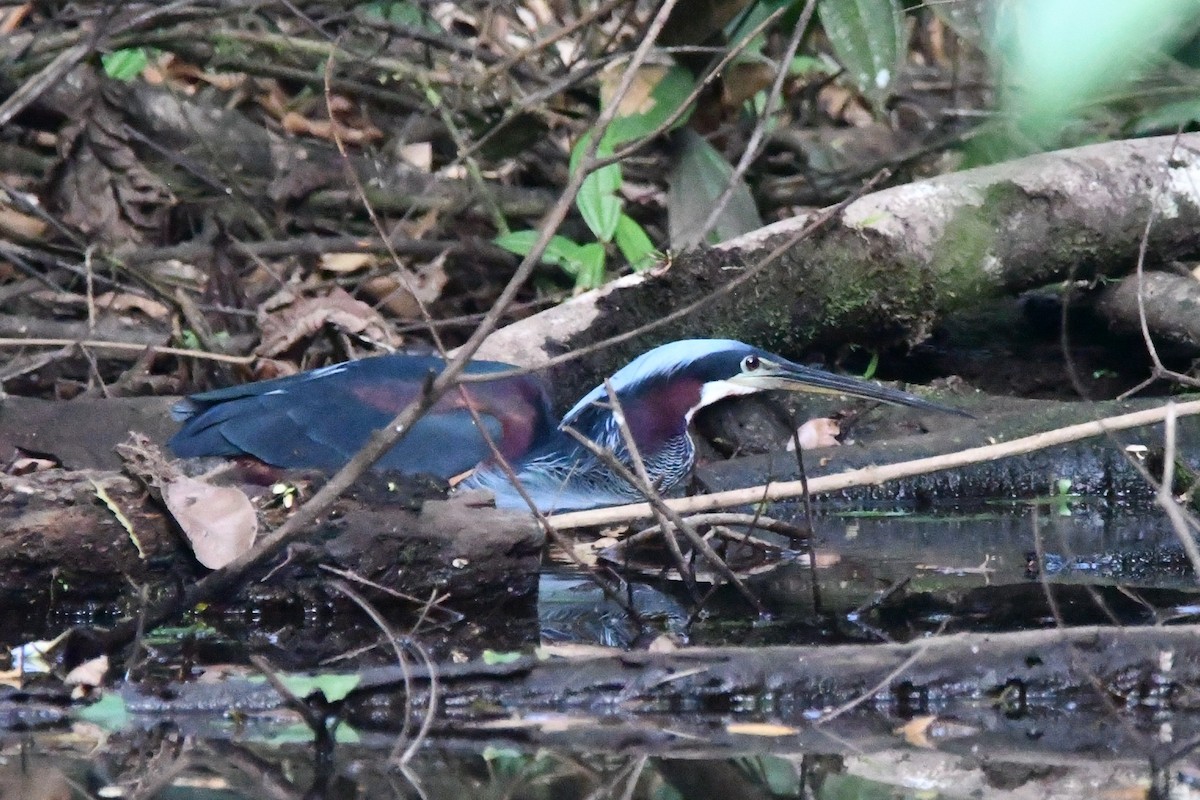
pixel 283 328
pixel 403 291
pixel 218 521
pixel 102 188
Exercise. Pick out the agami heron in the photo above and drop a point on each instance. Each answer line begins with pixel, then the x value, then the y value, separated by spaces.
pixel 320 418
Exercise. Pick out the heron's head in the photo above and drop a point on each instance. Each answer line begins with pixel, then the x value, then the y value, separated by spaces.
pixel 667 385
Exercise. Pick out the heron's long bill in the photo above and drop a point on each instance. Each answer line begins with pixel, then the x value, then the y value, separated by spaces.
pixel 796 378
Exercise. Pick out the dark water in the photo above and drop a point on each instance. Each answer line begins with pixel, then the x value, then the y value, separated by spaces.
pixel 883 574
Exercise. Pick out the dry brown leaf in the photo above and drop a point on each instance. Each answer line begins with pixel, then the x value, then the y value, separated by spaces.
pixel 90 673
pixel 819 432
pixel 575 652
pixel 640 97
pixel 294 122
pixel 26 465
pixel 400 290
pixel 12 18
pixel 283 328
pixel 843 105
pixel 743 81
pixel 16 225
pixel 419 155
pixel 127 301
pixel 116 302
pixel 916 731
pixel 343 263
pixel 760 729
pixel 662 643
pixel 925 731
pixel 218 521
pixel 219 673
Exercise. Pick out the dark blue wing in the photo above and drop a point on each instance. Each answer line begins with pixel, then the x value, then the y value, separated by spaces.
pixel 319 419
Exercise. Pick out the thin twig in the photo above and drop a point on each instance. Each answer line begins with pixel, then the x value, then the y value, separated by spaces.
pixel 656 502
pixel 99 344
pixel 873 475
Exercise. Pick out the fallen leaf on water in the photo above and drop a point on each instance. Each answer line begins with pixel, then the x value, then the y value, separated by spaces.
pixel 916 731
pixel 925 731
pixel 218 521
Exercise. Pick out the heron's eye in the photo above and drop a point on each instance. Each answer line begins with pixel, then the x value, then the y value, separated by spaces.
pixel 751 363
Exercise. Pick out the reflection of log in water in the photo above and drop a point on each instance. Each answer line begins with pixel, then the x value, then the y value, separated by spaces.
pixel 1018 690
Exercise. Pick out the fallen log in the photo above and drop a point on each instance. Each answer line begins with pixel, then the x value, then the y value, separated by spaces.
pixel 60 537
pixel 890 263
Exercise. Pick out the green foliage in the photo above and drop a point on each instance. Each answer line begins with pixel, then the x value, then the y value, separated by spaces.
pixel 635 245
pixel 1168 117
pixel 1058 56
pixel 869 40
pixel 125 65
pixel 335 687
pixel 665 100
pixel 584 263
pixel 401 13
pixel 109 712
pixel 872 367
pixel 597 199
pixel 496 657
pixel 697 180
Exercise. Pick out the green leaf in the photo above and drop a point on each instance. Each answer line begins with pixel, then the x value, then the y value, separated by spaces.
pixel 1062 54
pixel 109 712
pixel 696 181
pixel 667 96
pixel 869 372
pixel 402 13
pixel 597 199
pixel 1168 118
pixel 807 66
pixel 635 245
pixel 496 657
pixel 591 266
pixel 965 17
pixel 299 733
pixel 125 65
pixel 335 687
pixel 868 39
pixel 560 252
